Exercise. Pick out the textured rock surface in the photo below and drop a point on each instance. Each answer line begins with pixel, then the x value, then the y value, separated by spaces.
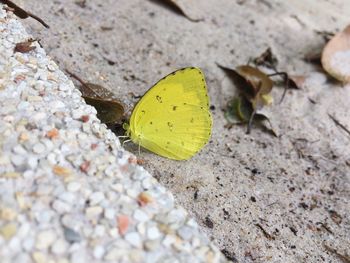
pixel 295 187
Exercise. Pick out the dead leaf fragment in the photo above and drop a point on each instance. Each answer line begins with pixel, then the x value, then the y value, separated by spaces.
pixel 336 56
pixel 183 7
pixel 21 13
pixel 109 110
pixel 25 47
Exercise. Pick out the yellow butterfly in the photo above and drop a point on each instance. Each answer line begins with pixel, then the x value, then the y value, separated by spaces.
pixel 172 118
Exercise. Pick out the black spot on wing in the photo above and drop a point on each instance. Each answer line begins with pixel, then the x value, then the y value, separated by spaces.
pixel 159 99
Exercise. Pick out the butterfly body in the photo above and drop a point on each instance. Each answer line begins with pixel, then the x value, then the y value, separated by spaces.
pixel 173 119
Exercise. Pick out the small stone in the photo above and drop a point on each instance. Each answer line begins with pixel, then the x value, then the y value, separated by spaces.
pixel 152 245
pixel 100 231
pixel 134 239
pixel 39 257
pixel 61 207
pixel 23 137
pixel 7 213
pixel 98 252
pixel 34 98
pixel 38 148
pixel 52 134
pixel 21 200
pixel 140 216
pixel 45 239
pixel 61 171
pixel 114 233
pixel 44 216
pixel 144 198
pixel 59 247
pixel 12 175
pixel 123 224
pixel 153 233
pixel 57 104
pixel 8 230
pixel 17 160
pixel 28 244
pixel 96 198
pixel 32 162
pixel 63 87
pixel 73 186
pixel 186 233
pixel 18 149
pixel 117 187
pixel 109 213
pixel 168 240
pixel 93 211
pixel 71 236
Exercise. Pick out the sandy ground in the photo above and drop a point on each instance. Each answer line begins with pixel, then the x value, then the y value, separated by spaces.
pixel 260 198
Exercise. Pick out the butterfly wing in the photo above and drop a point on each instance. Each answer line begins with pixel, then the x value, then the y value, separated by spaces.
pixel 173 119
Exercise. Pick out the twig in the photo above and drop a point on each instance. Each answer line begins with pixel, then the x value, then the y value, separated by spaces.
pixel 342 126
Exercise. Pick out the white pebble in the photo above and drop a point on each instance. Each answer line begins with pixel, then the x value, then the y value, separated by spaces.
pixel 117 187
pixel 57 104
pixel 134 239
pixel 109 213
pixel 153 233
pixel 17 160
pixel 28 244
pixel 61 207
pixel 18 149
pixel 96 198
pixel 59 247
pixel 39 148
pixel 45 239
pixel 32 162
pixel 140 216
pixel 67 197
pixel 99 251
pixel 93 211
pixel 73 186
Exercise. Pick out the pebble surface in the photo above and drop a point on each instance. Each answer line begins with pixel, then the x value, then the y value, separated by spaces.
pixel 51 210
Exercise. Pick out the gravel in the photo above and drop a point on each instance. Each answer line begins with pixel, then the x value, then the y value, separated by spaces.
pixel 52 210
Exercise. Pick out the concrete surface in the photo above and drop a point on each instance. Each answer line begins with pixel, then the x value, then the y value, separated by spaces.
pixel 295 187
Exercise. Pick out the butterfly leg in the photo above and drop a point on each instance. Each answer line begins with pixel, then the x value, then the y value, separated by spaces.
pixel 126 142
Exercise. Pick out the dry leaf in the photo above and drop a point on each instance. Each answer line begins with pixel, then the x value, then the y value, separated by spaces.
pixel 25 47
pixel 109 110
pixel 267 59
pixel 254 84
pixel 336 56
pixel 21 13
pixel 183 7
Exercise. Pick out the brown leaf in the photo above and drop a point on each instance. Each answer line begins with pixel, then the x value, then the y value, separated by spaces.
pixel 267 59
pixel 25 47
pixel 180 7
pixel 336 56
pixel 21 13
pixel 109 110
pixel 254 84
